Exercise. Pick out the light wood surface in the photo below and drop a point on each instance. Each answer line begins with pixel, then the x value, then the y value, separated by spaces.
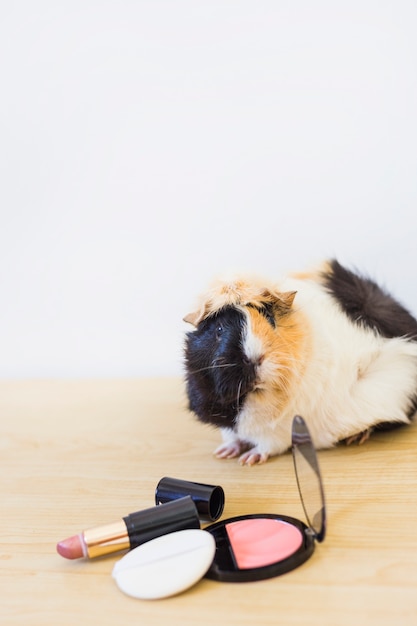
pixel 76 454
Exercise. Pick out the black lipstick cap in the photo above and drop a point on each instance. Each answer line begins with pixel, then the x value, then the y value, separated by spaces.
pixel 209 499
pixel 148 524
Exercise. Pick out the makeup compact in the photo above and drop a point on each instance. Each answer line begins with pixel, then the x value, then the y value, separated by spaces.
pixel 260 546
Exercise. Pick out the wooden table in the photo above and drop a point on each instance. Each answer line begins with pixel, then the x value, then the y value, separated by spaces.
pixel 76 454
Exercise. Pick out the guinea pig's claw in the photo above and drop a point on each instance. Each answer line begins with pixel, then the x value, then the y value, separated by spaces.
pixel 228 450
pixel 233 449
pixel 253 457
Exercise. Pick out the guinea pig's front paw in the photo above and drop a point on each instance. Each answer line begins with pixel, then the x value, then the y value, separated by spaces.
pixel 231 449
pixel 253 457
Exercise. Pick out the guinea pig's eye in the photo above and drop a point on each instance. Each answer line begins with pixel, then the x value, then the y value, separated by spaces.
pixel 219 329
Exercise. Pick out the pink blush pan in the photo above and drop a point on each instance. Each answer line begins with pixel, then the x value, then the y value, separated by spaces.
pixel 258 542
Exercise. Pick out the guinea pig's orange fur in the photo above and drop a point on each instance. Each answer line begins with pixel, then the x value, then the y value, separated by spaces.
pixel 283 351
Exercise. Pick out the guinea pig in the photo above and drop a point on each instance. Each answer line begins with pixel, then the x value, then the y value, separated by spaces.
pixel 329 344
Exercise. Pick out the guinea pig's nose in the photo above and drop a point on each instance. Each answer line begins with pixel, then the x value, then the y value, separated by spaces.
pixel 254 362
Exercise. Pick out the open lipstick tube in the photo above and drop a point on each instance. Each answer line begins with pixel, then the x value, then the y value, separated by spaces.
pixel 179 506
pixel 132 530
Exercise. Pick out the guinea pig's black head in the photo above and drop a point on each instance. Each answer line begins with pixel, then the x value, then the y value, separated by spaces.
pixel 235 347
pixel 218 374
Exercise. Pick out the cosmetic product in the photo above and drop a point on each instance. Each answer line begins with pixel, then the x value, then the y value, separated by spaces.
pixel 260 546
pixel 209 499
pixel 166 565
pixel 132 531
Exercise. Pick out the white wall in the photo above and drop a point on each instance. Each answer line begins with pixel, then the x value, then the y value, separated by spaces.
pixel 147 146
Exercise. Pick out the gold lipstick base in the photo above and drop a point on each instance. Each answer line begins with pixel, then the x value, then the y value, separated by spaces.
pixel 106 539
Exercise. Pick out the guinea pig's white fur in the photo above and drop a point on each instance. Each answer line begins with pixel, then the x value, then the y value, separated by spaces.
pixel 342 377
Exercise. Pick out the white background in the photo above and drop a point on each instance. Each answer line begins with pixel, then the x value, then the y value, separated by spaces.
pixel 148 146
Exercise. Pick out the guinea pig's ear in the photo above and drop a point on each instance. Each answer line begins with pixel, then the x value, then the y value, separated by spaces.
pixel 195 317
pixel 287 298
pixel 282 300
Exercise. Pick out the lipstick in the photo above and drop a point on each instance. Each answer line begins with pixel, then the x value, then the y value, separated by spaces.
pixel 132 530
